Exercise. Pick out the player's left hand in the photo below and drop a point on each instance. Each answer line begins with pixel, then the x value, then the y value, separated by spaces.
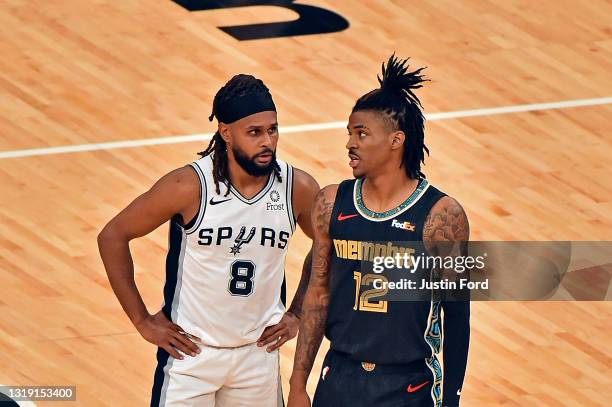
pixel 280 333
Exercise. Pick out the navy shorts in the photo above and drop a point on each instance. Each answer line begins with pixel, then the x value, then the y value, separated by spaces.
pixel 346 382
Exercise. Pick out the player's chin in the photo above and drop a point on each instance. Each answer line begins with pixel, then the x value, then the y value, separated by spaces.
pixel 358 172
pixel 359 166
pixel 258 170
pixel 265 168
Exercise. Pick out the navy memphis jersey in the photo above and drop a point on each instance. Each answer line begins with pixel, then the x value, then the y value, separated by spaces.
pixel 359 324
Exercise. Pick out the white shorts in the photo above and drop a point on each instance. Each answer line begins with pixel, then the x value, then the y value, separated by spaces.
pixel 247 376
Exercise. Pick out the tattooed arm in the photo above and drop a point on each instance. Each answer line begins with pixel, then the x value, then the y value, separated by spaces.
pixel 297 304
pixel 446 233
pixel 312 325
pixel 305 189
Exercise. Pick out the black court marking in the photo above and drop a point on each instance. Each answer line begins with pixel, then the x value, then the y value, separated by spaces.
pixel 313 20
pixel 6 401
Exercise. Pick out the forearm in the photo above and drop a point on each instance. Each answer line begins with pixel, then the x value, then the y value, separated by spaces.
pixel 117 259
pixel 312 329
pixel 296 307
pixel 316 302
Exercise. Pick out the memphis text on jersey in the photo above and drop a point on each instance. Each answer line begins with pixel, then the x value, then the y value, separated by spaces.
pixel 368 251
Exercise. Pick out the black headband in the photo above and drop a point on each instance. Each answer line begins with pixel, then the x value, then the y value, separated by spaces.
pixel 243 106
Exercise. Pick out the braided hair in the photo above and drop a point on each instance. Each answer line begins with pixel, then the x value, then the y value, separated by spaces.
pixel 401 109
pixel 238 86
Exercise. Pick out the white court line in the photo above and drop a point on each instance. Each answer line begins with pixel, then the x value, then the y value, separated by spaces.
pixel 299 128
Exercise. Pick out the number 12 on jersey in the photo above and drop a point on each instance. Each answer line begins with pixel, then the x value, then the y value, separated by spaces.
pixel 362 298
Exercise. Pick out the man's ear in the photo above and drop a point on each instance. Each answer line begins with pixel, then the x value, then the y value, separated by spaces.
pixel 398 138
pixel 225 132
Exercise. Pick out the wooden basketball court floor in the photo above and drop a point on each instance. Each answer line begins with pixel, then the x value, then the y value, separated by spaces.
pixel 75 74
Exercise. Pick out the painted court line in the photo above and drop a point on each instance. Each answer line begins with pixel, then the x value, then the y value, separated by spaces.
pixel 300 128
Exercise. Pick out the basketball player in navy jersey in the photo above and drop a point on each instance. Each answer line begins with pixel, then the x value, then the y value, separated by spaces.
pixel 231 213
pixel 382 353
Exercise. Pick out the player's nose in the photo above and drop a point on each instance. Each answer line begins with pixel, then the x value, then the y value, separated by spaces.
pixel 351 143
pixel 266 140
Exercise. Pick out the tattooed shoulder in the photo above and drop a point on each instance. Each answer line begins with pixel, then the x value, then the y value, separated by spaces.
pixel 446 221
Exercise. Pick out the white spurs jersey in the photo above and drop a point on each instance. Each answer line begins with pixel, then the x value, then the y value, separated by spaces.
pixel 225 270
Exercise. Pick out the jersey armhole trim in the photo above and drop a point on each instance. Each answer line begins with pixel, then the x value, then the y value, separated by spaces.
pixel 190 228
pixel 289 197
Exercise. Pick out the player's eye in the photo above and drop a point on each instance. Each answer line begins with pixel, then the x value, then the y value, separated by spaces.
pixel 273 130
pixel 362 134
pixel 254 132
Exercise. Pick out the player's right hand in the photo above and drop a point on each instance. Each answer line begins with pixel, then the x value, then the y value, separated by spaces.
pixel 298 398
pixel 160 331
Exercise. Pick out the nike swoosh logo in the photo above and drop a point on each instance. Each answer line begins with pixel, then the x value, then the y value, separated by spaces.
pixel 415 388
pixel 218 202
pixel 459 392
pixel 345 217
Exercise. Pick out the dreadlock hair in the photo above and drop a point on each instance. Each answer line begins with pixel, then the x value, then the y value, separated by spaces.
pixel 401 108
pixel 239 85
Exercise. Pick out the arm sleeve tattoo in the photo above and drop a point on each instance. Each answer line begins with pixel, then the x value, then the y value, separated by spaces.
pixel 446 233
pixel 314 314
pixel 298 298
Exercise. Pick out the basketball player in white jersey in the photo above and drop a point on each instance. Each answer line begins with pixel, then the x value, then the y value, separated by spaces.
pixel 231 215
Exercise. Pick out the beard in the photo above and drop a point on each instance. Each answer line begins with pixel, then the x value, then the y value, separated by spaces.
pixel 251 167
